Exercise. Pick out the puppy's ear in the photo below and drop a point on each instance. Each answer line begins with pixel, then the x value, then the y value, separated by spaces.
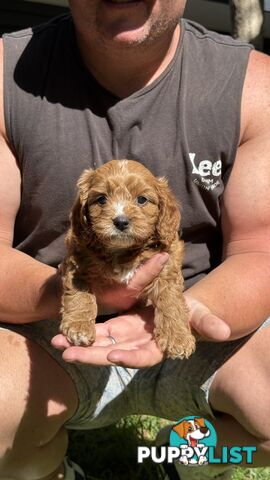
pixel 181 429
pixel 80 221
pixel 169 215
pixel 84 184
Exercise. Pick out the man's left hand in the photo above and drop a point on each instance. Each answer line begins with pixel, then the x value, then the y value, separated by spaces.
pixel 134 334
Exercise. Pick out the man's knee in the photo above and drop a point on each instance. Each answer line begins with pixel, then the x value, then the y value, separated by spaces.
pixel 32 407
pixel 25 462
pixel 241 386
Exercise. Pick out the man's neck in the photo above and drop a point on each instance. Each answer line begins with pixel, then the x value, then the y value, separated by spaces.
pixel 123 71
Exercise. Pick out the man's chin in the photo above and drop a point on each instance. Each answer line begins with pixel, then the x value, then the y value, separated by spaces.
pixel 125 25
pixel 128 38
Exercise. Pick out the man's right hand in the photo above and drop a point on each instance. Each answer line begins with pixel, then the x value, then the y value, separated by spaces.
pixel 121 297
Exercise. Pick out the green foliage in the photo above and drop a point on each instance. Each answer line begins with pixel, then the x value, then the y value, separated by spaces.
pixel 252 474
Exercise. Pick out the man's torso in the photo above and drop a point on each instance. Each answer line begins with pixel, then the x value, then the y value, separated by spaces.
pixel 185 126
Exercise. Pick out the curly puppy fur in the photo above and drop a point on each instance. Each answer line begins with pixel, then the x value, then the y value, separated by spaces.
pixel 123 216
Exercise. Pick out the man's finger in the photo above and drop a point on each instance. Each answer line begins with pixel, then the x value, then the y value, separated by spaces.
pixel 134 358
pixel 89 356
pixel 147 272
pixel 208 325
pixel 102 329
pixel 211 327
pixel 94 355
pixel 60 342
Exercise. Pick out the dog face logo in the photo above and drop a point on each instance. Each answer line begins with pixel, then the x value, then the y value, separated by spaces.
pixel 193 435
pixel 192 430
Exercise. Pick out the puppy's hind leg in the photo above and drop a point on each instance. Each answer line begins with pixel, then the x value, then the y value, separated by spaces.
pixel 79 311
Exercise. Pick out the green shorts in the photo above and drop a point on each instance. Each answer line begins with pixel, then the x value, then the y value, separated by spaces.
pixel 171 389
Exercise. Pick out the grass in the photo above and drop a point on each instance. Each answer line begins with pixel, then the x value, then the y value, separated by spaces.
pixel 110 453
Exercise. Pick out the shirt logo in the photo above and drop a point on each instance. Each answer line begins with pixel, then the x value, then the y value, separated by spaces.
pixel 207 173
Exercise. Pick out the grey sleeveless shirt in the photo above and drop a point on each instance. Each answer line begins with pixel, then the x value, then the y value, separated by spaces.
pixel 185 126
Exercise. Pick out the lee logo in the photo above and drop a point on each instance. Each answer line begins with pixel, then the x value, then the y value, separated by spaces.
pixel 205 167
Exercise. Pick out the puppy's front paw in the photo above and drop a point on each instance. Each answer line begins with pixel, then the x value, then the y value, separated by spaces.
pixel 79 332
pixel 180 345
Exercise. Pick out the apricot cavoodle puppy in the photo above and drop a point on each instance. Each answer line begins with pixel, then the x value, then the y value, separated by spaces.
pixel 123 216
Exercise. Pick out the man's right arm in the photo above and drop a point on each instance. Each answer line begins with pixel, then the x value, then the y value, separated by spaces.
pixel 29 290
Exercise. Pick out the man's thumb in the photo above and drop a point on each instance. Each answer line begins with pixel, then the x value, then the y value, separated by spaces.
pixel 148 271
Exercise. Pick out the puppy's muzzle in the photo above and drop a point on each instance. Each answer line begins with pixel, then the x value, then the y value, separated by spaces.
pixel 121 222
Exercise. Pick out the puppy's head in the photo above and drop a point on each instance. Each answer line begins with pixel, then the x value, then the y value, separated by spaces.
pixel 122 205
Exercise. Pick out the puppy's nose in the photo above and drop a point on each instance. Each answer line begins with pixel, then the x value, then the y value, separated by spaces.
pixel 121 222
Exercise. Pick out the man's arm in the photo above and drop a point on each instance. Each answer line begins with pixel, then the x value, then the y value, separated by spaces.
pixel 28 288
pixel 238 290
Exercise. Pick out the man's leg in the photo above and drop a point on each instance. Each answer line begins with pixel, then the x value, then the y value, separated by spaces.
pixel 231 433
pixel 240 397
pixel 241 390
pixel 37 398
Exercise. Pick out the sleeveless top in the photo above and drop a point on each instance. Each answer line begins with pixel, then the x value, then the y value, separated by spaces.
pixel 185 125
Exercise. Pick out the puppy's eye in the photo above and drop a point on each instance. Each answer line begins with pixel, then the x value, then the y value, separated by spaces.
pixel 101 200
pixel 141 200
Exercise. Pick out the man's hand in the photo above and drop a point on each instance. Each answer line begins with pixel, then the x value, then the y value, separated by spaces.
pixel 134 331
pixel 121 297
pixel 205 324
pixel 135 346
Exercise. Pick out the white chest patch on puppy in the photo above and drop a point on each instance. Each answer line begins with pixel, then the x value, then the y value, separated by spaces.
pixel 124 276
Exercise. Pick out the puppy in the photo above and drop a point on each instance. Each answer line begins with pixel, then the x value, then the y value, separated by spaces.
pixel 123 216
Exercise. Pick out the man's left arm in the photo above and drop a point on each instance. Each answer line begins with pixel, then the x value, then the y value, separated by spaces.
pixel 238 290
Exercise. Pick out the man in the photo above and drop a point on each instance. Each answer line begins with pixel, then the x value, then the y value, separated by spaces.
pixel 125 79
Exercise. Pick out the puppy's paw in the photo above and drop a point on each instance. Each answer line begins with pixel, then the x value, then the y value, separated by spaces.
pixel 79 332
pixel 181 346
pixel 177 346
